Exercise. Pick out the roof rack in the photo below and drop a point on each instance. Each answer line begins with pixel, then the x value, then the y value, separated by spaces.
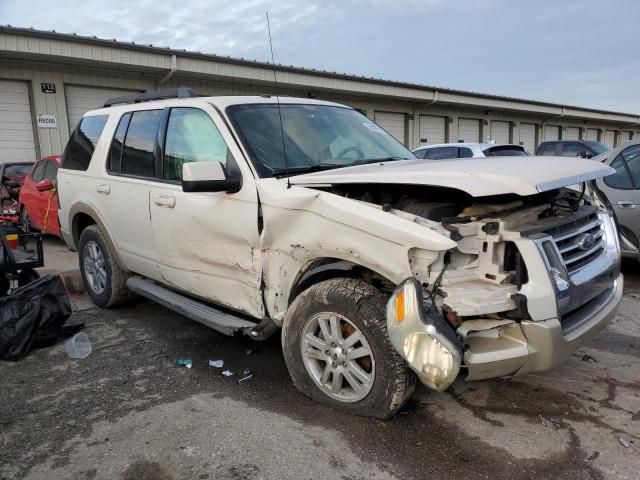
pixel 182 92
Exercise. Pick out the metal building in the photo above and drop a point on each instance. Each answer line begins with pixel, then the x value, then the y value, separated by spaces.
pixel 48 80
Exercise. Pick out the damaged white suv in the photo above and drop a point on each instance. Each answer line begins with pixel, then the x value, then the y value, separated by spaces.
pixel 249 215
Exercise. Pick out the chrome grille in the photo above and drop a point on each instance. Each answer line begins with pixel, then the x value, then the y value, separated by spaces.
pixel 567 238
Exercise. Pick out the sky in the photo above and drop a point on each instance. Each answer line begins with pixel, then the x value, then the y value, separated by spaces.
pixel 573 52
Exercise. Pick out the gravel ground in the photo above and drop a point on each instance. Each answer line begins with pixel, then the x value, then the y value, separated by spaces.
pixel 128 412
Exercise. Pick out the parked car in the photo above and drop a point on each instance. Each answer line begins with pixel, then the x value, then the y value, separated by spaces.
pixel 14 172
pixel 11 177
pixel 622 191
pixel 469 150
pixel 251 215
pixel 572 148
pixel 38 201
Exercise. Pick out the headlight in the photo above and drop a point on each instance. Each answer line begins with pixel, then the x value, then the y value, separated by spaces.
pixel 610 231
pixel 422 338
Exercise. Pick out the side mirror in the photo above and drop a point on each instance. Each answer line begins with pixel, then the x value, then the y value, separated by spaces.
pixel 44 185
pixel 208 177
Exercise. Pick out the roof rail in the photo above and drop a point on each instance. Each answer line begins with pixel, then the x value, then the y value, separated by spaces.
pixel 182 92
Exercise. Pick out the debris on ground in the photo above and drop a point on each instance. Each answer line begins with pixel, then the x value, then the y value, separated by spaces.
pixel 245 378
pixel 593 456
pixel 251 351
pixel 184 362
pixel 78 346
pixel 624 443
pixel 588 358
pixel 216 363
pixel 549 422
pixel 228 373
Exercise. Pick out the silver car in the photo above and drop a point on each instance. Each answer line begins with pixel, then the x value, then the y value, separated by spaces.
pixel 469 150
pixel 622 190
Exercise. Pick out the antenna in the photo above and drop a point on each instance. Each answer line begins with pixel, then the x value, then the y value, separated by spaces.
pixel 275 83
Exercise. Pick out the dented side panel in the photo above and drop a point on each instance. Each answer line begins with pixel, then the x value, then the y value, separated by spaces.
pixel 302 225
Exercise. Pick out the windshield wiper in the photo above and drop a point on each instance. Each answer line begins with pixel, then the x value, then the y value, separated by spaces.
pixel 306 169
pixel 366 161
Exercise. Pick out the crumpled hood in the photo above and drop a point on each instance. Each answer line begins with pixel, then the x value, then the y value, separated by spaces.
pixel 479 177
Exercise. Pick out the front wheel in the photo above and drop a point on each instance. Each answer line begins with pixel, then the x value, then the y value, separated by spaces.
pixel 336 348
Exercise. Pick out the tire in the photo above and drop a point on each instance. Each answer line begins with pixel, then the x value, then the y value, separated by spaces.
pixel 355 306
pixel 112 279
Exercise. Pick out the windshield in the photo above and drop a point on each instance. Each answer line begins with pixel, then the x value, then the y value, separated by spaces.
pixel 597 147
pixel 316 137
pixel 17 169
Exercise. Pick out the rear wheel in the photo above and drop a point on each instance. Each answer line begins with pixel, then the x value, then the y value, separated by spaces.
pixel 103 278
pixel 335 344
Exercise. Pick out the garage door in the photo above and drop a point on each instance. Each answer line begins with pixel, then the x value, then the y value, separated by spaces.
pixel 573 133
pixel 626 136
pixel 551 132
pixel 468 130
pixel 500 132
pixel 16 125
pixel 394 123
pixel 82 99
pixel 432 129
pixel 528 136
pixel 610 138
pixel 592 134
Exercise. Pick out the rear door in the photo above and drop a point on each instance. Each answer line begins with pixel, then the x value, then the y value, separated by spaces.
pixel 48 201
pixel 623 189
pixel 29 196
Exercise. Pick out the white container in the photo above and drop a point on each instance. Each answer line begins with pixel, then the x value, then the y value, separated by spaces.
pixel 78 346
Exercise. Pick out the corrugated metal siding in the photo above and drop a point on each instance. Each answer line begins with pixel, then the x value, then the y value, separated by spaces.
pixel 16 122
pixel 500 132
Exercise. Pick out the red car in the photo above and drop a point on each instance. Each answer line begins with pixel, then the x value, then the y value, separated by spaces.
pixel 38 196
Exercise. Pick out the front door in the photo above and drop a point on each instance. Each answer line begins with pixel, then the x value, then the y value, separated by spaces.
pixel 623 191
pixel 207 243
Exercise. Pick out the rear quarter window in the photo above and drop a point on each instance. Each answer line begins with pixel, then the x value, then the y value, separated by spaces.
pixel 77 155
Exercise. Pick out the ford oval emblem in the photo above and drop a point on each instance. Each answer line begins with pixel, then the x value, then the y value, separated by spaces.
pixel 586 241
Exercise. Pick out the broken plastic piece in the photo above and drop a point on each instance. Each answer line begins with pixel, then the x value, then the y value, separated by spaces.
pixel 78 346
pixel 184 362
pixel 216 363
pixel 245 378
pixel 227 373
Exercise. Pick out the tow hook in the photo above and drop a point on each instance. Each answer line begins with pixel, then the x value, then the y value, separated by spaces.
pixel 429 346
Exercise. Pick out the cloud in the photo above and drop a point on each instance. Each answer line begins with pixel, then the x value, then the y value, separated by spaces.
pixel 575 52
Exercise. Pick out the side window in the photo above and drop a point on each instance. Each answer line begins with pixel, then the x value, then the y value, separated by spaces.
pixel 572 149
pixel 621 179
pixel 138 156
pixel 442 153
pixel 464 152
pixel 632 157
pixel 549 149
pixel 191 137
pixel 51 171
pixel 115 154
pixel 82 143
pixel 38 171
pixel 421 153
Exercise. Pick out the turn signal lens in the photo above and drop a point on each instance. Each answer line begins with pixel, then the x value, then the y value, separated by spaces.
pixel 400 306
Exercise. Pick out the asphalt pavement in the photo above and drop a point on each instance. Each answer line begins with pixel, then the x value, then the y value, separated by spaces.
pixel 128 412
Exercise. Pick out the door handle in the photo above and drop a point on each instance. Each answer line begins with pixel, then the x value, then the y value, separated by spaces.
pixel 164 201
pixel 626 204
pixel 104 189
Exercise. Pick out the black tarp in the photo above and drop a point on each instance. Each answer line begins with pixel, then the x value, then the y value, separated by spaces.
pixel 33 316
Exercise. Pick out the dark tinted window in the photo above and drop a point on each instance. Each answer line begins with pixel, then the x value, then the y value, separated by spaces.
pixel 82 143
pixel 38 171
pixel 572 149
pixel 505 151
pixel 548 149
pixel 51 171
pixel 420 153
pixel 115 154
pixel 191 137
pixel 138 156
pixel 440 153
pixel 465 152
pixel 621 179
